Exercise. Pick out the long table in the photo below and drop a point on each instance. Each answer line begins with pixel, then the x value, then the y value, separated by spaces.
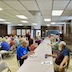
pixel 34 64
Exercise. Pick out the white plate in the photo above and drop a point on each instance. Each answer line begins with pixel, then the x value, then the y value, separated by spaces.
pixel 34 55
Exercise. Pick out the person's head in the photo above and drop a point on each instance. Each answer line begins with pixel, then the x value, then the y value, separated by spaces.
pixel 25 43
pixel 13 32
pixel 32 47
pixel 27 38
pixel 3 40
pixel 6 37
pixel 28 32
pixel 19 36
pixel 53 39
pixel 62 45
pixel 12 39
pixel 38 33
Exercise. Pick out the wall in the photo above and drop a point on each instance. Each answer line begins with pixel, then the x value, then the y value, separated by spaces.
pixel 45 28
pixel 21 27
pixel 3 30
pixel 68 32
pixel 9 29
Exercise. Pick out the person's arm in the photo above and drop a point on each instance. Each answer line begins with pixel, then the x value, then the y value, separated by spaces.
pixel 30 53
pixel 51 44
pixel 63 62
pixel 52 55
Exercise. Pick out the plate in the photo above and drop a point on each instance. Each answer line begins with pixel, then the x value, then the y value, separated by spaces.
pixel 34 55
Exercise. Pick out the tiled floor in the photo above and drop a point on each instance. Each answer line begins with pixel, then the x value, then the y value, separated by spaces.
pixel 12 63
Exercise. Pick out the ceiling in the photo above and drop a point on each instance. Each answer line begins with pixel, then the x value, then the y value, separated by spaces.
pixel 35 11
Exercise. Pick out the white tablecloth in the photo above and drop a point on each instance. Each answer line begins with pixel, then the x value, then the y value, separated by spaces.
pixel 33 64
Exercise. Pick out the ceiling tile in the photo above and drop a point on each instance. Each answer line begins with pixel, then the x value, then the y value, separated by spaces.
pixel 60 5
pixel 26 13
pixel 67 13
pixel 30 5
pixel 14 12
pixel 54 19
pixel 62 18
pixel 45 5
pixel 15 4
pixel 46 12
pixel 69 6
pixel 44 0
pixel 5 6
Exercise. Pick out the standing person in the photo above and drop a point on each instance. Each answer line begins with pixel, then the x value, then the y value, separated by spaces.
pixel 22 52
pixel 15 37
pixel 38 34
pixel 28 35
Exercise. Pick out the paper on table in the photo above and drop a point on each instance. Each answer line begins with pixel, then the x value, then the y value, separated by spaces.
pixel 46 62
pixel 34 55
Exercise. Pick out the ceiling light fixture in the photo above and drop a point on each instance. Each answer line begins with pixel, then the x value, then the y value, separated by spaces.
pixel 1 9
pixel 47 19
pixel 53 22
pixel 57 12
pixel 21 16
pixel 2 19
pixel 7 22
pixel 48 25
pixel 20 24
pixel 24 21
pixel 34 23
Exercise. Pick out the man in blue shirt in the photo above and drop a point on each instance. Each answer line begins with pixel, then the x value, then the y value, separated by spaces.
pixel 22 52
pixel 5 45
pixel 62 58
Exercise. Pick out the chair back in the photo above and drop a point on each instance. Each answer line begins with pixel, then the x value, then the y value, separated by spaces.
pixel 67 65
pixel 3 66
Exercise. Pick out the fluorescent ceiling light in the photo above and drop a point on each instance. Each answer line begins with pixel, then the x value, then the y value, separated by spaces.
pixel 1 9
pixel 48 25
pixel 7 22
pixel 53 22
pixel 24 21
pixel 57 12
pixel 47 19
pixel 34 23
pixel 20 24
pixel 21 16
pixel 2 19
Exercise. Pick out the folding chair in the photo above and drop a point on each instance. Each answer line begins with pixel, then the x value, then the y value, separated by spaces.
pixel 4 66
pixel 66 66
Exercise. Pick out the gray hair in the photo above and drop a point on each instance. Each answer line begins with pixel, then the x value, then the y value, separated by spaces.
pixel 63 43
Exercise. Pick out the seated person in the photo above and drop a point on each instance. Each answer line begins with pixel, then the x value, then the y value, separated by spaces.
pixel 20 38
pixel 58 38
pixel 62 58
pixel 5 45
pixel 32 47
pixel 8 39
pixel 22 52
pixel 54 45
pixel 12 42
